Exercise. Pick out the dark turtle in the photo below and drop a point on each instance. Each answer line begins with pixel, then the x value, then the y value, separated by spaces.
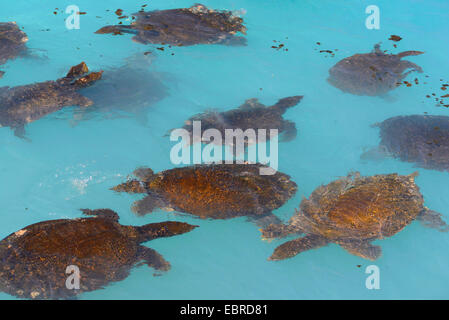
pixel 421 139
pixel 24 104
pixel 12 42
pixel 352 212
pixel 251 115
pixel 186 26
pixel 127 90
pixel 372 74
pixel 35 259
pixel 217 191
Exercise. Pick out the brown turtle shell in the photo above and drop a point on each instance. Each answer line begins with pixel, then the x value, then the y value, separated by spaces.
pixel 373 73
pixel 35 259
pixel 360 207
pixel 218 191
pixel 12 41
pixel 183 27
pixel 421 139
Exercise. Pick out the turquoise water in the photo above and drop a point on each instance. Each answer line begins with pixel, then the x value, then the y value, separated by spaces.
pixel 72 164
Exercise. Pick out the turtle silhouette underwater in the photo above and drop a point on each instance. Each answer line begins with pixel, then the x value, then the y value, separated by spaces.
pixel 24 104
pixel 216 191
pixel 372 74
pixel 420 139
pixel 128 90
pixel 183 27
pixel 352 212
pixel 251 115
pixel 35 259
pixel 12 42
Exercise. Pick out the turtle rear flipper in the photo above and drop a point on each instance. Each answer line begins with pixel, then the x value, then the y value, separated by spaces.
pixel 101 213
pixel 375 154
pixel 265 220
pixel 294 247
pixel 289 131
pixel 148 204
pixel 153 259
pixel 432 219
pixel 362 249
pixel 20 132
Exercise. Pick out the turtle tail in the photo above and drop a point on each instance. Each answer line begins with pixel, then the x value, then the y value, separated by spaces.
pixel 286 103
pixel 162 230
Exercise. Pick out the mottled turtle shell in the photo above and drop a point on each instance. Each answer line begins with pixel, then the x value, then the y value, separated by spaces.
pixel 219 191
pixel 421 139
pixel 185 26
pixel 362 208
pixel 35 259
pixel 371 74
pixel 12 41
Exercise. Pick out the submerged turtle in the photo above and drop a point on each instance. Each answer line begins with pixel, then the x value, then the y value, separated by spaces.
pixel 127 90
pixel 217 191
pixel 12 42
pixel 24 104
pixel 372 74
pixel 186 26
pixel 352 212
pixel 35 259
pixel 421 139
pixel 251 115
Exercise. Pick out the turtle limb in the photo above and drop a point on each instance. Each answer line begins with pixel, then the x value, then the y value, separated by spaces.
pixel 410 65
pixel 101 213
pixel 81 100
pixel 148 204
pixel 375 154
pixel 409 53
pixel 292 248
pixel 153 259
pixel 362 249
pixel 273 231
pixel 289 131
pixel 165 229
pixel 1 74
pixel 432 219
pixel 265 220
pixel 20 132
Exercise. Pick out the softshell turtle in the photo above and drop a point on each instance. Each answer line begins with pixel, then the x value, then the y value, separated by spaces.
pixel 12 42
pixel 421 139
pixel 35 259
pixel 186 26
pixel 251 115
pixel 24 104
pixel 127 90
pixel 352 212
pixel 372 74
pixel 217 191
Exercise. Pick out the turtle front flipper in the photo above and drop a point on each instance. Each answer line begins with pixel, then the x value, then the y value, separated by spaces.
pixel 294 247
pixel 153 259
pixel 363 249
pixel 101 213
pixel 148 204
pixel 432 219
pixel 81 101
pixel 162 230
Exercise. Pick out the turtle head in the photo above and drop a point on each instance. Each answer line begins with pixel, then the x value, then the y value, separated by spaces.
pixel 131 186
